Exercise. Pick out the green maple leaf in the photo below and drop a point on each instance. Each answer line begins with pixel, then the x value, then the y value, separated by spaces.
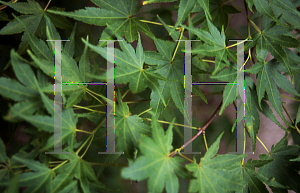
pixel 33 18
pixel 26 94
pixel 80 170
pixel 215 174
pixel 264 81
pixel 185 7
pixel 265 110
pixel 70 71
pixel 263 7
pixel 273 38
pixel 219 13
pixel 172 71
pixel 37 180
pixel 214 44
pixel 118 14
pixel 128 128
pixel 255 181
pixel 285 172
pixel 130 68
pixel 46 123
pixel 155 163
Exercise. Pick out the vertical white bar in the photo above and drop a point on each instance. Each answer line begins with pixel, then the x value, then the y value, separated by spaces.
pixel 58 102
pixel 188 99
pixel 110 118
pixel 110 96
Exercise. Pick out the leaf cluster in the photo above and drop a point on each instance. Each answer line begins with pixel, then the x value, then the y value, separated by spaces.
pixel 150 88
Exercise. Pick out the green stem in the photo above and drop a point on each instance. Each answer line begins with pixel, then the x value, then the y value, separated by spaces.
pixel 93 96
pixel 253 24
pixel 291 118
pixel 47 5
pixel 208 61
pixel 236 44
pixel 205 143
pixel 166 122
pixel 144 112
pixel 88 146
pixel 60 165
pixel 84 144
pixel 156 23
pixel 83 131
pixel 289 98
pixel 263 145
pixel 81 107
pixel 182 30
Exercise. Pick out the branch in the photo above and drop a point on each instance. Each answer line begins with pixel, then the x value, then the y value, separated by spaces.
pixel 200 130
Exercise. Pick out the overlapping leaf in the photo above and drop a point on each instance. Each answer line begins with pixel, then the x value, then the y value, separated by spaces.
pixel 162 170
pixel 34 19
pixel 172 71
pixel 185 7
pixel 214 44
pixel 130 68
pixel 118 14
pixel 255 181
pixel 37 180
pixel 215 174
pixel 264 81
pixel 128 128
pixel 81 170
pixel 26 108
pixel 273 38
pixel 284 171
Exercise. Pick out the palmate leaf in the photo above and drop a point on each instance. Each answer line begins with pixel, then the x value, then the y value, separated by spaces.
pixel 99 145
pixel 286 6
pixel 69 67
pixel 172 71
pixel 215 10
pixel 273 39
pixel 119 14
pixel 185 7
pixel 205 5
pixel 285 172
pixel 81 170
pixel 27 107
pixel 27 94
pixel 215 44
pixel 128 128
pixel 255 182
pixel 26 75
pixel 215 174
pixel 162 170
pixel 46 123
pixel 265 108
pixel 130 68
pixel 265 8
pixel 265 81
pixel 37 180
pixel 34 19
